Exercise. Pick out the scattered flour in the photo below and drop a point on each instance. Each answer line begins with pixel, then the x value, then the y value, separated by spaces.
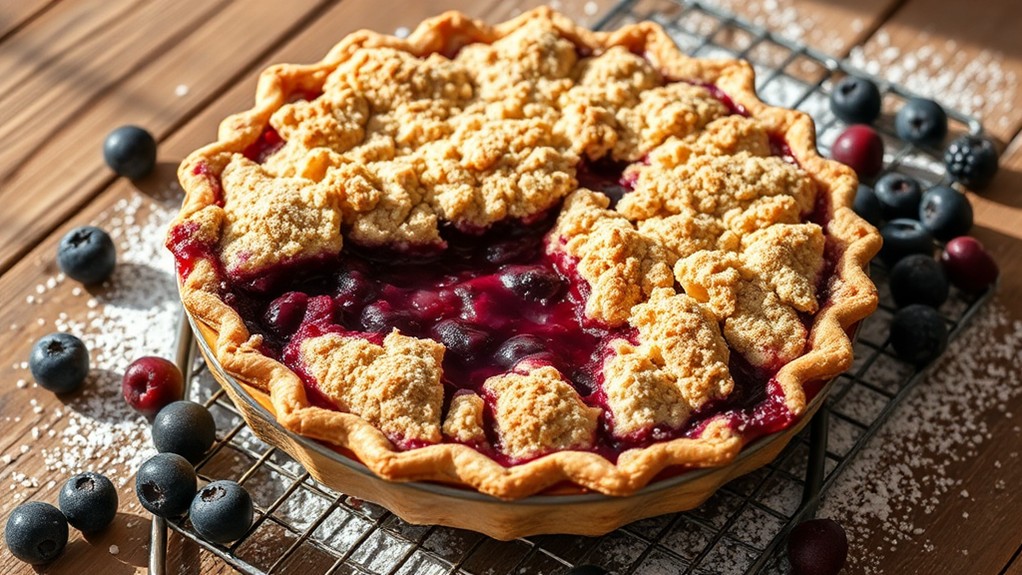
pixel 134 314
pixel 941 424
pixel 783 17
pixel 977 83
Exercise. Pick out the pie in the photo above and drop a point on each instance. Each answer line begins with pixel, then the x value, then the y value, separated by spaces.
pixel 512 256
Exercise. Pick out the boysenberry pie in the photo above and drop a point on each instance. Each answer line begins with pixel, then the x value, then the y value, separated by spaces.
pixel 512 256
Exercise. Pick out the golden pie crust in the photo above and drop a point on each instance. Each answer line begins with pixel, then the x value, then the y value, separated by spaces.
pixel 474 124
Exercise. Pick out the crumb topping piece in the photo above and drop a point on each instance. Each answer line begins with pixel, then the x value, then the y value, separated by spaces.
pixel 759 291
pixel 464 421
pixel 396 386
pixel 538 412
pixel 621 265
pixel 680 363
pixel 270 220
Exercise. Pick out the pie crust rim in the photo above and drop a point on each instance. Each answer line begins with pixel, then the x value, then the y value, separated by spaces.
pixel 852 296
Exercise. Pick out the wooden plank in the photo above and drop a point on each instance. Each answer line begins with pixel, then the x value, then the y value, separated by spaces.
pixel 15 13
pixel 925 509
pixel 964 55
pixel 154 67
pixel 998 213
pixel 1015 568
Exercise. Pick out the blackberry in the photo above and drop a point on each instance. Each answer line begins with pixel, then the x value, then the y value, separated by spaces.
pixel 971 160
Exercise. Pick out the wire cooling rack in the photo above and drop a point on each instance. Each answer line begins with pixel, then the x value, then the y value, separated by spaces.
pixel 302 526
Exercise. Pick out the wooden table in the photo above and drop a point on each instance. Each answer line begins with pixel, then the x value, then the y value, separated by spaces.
pixel 75 69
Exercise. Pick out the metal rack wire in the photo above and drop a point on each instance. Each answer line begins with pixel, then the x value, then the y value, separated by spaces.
pixel 303 526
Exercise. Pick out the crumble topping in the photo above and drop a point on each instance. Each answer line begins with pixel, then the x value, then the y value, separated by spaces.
pixel 396 386
pixel 399 143
pixel 680 363
pixel 396 145
pixel 269 220
pixel 464 422
pixel 539 412
pixel 621 265
pixel 758 292
pixel 714 185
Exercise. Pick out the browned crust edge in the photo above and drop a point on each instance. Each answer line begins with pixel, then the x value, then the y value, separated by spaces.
pixel 852 295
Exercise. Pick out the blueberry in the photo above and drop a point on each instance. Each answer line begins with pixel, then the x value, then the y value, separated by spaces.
pixel 461 338
pixel 921 121
pixel 36 532
pixel 517 348
pixel 918 334
pixel 221 511
pixel 855 100
pixel 185 428
pixel 867 205
pixel 918 279
pixel 381 317
pixel 353 289
pixel 817 547
pixel 903 237
pixel 89 501
pixel 945 212
pixel 971 160
pixel 533 283
pixel 130 151
pixel 87 254
pixel 59 362
pixel 285 313
pixel 899 196
pixel 860 148
pixel 586 570
pixel 165 484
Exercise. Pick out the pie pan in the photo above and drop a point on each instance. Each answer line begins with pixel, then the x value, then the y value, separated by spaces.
pixel 796 247
pixel 567 510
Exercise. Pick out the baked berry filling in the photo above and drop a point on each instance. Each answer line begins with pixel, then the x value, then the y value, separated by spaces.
pixel 493 300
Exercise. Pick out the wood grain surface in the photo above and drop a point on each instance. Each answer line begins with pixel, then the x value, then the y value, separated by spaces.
pixel 73 69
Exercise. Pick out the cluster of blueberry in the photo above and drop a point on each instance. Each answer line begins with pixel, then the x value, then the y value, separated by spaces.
pixel 970 160
pixel 37 532
pixel 182 431
pixel 166 484
pixel 912 221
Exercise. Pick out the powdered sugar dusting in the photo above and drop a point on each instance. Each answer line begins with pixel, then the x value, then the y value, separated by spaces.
pixel 786 19
pixel 905 469
pixel 978 83
pixel 135 313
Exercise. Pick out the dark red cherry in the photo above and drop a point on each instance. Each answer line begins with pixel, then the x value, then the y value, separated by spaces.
pixel 381 317
pixel 968 264
pixel 461 338
pixel 817 547
pixel 519 347
pixel 353 289
pixel 860 148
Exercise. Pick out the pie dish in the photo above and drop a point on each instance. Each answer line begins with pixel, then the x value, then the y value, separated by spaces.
pixel 509 257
